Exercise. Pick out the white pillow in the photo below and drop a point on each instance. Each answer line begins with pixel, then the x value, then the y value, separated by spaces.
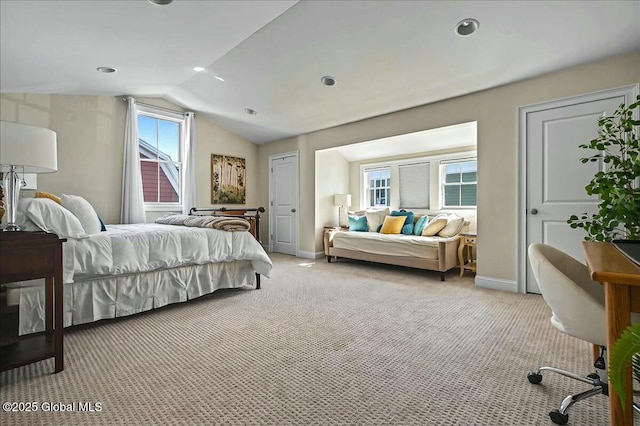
pixel 83 210
pixel 52 217
pixel 22 220
pixel 375 218
pixel 453 227
pixel 435 225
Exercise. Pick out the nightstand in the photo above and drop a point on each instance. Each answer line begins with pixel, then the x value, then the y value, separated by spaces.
pixel 467 241
pixel 329 231
pixel 29 256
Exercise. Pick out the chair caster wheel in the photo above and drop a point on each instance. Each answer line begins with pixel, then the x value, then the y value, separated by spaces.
pixel 559 418
pixel 534 378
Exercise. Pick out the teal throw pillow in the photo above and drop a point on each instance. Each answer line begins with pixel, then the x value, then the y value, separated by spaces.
pixel 102 227
pixel 420 224
pixel 358 223
pixel 407 229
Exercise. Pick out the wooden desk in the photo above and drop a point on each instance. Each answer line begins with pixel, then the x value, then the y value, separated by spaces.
pixel 621 279
pixel 27 256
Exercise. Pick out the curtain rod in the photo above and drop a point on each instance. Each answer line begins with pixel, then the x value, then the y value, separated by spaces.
pixel 158 107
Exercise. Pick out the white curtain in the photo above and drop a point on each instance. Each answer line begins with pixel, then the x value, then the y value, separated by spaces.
pixel 132 195
pixel 189 193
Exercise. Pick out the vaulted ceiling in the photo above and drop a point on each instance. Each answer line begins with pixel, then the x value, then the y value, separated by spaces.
pixel 385 55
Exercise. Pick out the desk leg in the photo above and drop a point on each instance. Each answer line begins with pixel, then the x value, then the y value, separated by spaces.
pixel 617 302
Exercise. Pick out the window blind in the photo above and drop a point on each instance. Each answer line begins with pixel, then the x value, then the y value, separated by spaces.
pixel 414 185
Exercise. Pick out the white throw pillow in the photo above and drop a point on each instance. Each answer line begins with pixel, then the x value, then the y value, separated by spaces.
pixel 454 226
pixel 52 217
pixel 83 210
pixel 435 225
pixel 375 218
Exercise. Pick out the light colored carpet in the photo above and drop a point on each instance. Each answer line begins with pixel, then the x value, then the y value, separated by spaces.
pixel 346 343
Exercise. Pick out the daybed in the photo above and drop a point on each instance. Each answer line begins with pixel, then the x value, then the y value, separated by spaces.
pixel 436 252
pixel 128 269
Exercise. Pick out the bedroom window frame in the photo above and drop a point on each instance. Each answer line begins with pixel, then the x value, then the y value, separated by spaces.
pixel 377 187
pixel 459 183
pixel 434 182
pixel 177 172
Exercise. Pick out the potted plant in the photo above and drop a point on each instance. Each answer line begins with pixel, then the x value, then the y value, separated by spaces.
pixel 618 146
pixel 618 216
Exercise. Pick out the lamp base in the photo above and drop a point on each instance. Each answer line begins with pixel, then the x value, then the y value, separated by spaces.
pixel 12 183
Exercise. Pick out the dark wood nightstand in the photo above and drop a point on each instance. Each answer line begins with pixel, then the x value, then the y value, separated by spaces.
pixel 28 256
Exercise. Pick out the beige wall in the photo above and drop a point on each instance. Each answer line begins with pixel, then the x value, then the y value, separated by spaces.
pixel 90 132
pixel 332 177
pixel 496 111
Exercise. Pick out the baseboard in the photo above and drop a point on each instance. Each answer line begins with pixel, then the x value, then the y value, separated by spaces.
pixel 310 254
pixel 497 284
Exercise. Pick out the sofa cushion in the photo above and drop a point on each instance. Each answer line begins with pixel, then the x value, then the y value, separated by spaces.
pixel 375 218
pixel 435 225
pixel 420 224
pixel 392 224
pixel 407 228
pixel 358 223
pixel 453 227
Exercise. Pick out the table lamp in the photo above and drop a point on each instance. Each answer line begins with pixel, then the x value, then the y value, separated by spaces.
pixel 24 149
pixel 341 200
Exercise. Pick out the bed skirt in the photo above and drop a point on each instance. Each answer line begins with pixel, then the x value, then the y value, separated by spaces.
pixel 117 296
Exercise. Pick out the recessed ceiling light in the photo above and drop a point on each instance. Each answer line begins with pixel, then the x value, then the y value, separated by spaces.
pixel 160 2
pixel 106 70
pixel 467 27
pixel 250 111
pixel 198 69
pixel 327 80
pixel 219 78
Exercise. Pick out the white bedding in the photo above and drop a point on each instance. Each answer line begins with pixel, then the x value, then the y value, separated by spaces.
pixel 389 244
pixel 127 249
pixel 134 268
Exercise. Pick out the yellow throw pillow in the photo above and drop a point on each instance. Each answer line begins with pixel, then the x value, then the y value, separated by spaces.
pixel 392 224
pixel 49 196
pixel 434 226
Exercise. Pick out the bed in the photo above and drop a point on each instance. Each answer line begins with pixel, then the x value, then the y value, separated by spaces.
pixel 128 269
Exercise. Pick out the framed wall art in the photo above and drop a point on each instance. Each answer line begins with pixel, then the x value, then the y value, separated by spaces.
pixel 228 178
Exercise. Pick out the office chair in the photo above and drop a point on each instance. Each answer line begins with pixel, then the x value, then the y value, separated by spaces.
pixel 577 305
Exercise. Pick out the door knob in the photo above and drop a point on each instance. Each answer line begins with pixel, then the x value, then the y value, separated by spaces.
pixel 293 210
pixel 534 211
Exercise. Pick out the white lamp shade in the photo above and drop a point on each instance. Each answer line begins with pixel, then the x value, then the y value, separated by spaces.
pixel 342 200
pixel 32 149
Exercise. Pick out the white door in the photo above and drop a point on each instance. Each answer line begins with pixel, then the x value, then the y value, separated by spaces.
pixel 555 177
pixel 284 204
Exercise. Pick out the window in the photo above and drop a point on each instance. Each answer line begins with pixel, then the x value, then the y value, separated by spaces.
pixel 424 183
pixel 160 142
pixel 378 187
pixel 460 183
pixel 414 185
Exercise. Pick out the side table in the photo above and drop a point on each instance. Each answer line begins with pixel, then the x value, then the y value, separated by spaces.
pixel 468 241
pixel 28 256
pixel 328 235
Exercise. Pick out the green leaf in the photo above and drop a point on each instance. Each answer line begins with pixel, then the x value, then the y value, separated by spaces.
pixel 620 357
